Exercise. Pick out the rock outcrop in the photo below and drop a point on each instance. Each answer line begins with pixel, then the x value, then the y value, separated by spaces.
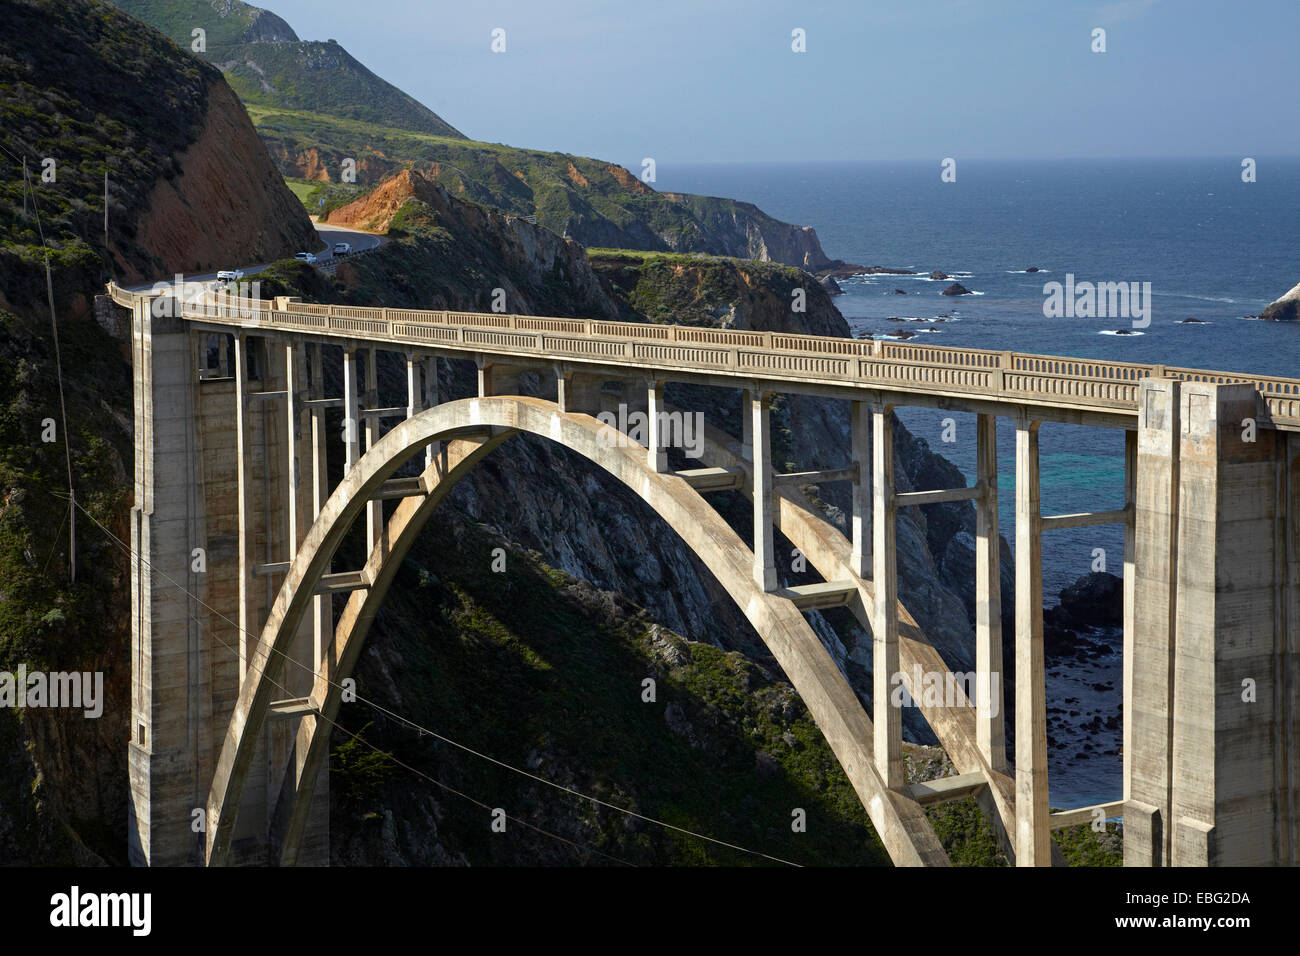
pixel 1094 600
pixel 956 289
pixel 1284 309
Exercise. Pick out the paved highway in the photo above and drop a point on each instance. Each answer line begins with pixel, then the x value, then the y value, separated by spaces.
pixel 328 235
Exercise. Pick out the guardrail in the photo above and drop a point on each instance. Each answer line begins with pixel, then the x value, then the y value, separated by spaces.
pixel 330 264
pixel 1014 376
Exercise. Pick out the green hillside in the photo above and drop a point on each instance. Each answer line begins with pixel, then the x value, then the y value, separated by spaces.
pixel 148 98
pixel 596 202
pixel 266 63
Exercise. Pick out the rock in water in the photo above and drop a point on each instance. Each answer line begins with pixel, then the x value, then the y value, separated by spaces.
pixel 1285 309
pixel 899 292
pixel 936 274
pixel 1094 600
pixel 956 289
pixel 1032 269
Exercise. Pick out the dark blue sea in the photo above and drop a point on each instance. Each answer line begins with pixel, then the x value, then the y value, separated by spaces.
pixel 1213 247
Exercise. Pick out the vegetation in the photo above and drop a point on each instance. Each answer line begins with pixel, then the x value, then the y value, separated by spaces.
pixel 320 198
pixel 540 670
pixel 266 63
pixel 148 97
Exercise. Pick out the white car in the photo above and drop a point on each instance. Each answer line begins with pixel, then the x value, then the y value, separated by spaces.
pixel 342 248
pixel 305 257
pixel 230 275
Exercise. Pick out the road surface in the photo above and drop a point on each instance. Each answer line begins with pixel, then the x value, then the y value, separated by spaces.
pixel 328 235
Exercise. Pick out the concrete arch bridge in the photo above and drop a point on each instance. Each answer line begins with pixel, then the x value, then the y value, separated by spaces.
pixel 231 458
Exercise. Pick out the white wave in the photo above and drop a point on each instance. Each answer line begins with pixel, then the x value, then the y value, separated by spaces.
pixel 1119 332
pixel 1199 298
pixel 1026 272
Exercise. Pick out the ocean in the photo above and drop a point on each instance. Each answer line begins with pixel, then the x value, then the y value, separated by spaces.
pixel 1212 247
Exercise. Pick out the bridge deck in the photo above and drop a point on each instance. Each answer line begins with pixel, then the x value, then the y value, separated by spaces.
pixel 1107 389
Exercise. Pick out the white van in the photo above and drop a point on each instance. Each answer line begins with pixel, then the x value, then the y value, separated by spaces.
pixel 230 275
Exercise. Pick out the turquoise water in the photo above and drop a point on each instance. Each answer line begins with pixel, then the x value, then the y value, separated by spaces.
pixel 1212 247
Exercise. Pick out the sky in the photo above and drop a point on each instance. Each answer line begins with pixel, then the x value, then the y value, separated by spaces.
pixel 693 81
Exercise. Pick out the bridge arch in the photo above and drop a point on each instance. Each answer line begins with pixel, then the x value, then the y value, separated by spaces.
pixel 469 429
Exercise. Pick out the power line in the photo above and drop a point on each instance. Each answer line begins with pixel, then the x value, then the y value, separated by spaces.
pixel 355 736
pixel 425 730
pixel 58 364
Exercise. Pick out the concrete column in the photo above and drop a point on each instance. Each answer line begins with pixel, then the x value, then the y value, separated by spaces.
pixel 746 425
pixel 375 509
pixel 888 720
pixel 1130 595
pixel 1288 715
pixel 1148 649
pixel 295 390
pixel 322 610
pixel 764 547
pixel 656 456
pixel 990 727
pixel 562 386
pixel 484 376
pixel 1033 833
pixel 223 358
pixel 860 446
pixel 414 397
pixel 351 413
pixel 170 723
pixel 430 400
pixel 248 625
pixel 1229 651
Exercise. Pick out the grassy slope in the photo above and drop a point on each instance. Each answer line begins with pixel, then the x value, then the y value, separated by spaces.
pixel 306 74
pixel 596 201
pixel 148 95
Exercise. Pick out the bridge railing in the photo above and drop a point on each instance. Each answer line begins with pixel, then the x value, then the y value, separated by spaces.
pixel 1015 375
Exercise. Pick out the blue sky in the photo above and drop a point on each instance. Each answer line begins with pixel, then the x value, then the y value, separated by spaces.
pixel 716 81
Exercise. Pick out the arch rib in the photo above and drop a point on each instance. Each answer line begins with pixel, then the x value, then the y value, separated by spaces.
pixel 899 821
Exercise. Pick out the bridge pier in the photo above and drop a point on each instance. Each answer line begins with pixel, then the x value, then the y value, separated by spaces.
pixel 1211 777
pixel 217 497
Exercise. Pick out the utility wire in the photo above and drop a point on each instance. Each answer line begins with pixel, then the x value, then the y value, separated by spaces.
pixel 425 730
pixel 58 365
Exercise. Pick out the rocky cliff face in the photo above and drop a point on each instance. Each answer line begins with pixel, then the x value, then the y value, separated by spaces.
pixel 749 233
pixel 228 206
